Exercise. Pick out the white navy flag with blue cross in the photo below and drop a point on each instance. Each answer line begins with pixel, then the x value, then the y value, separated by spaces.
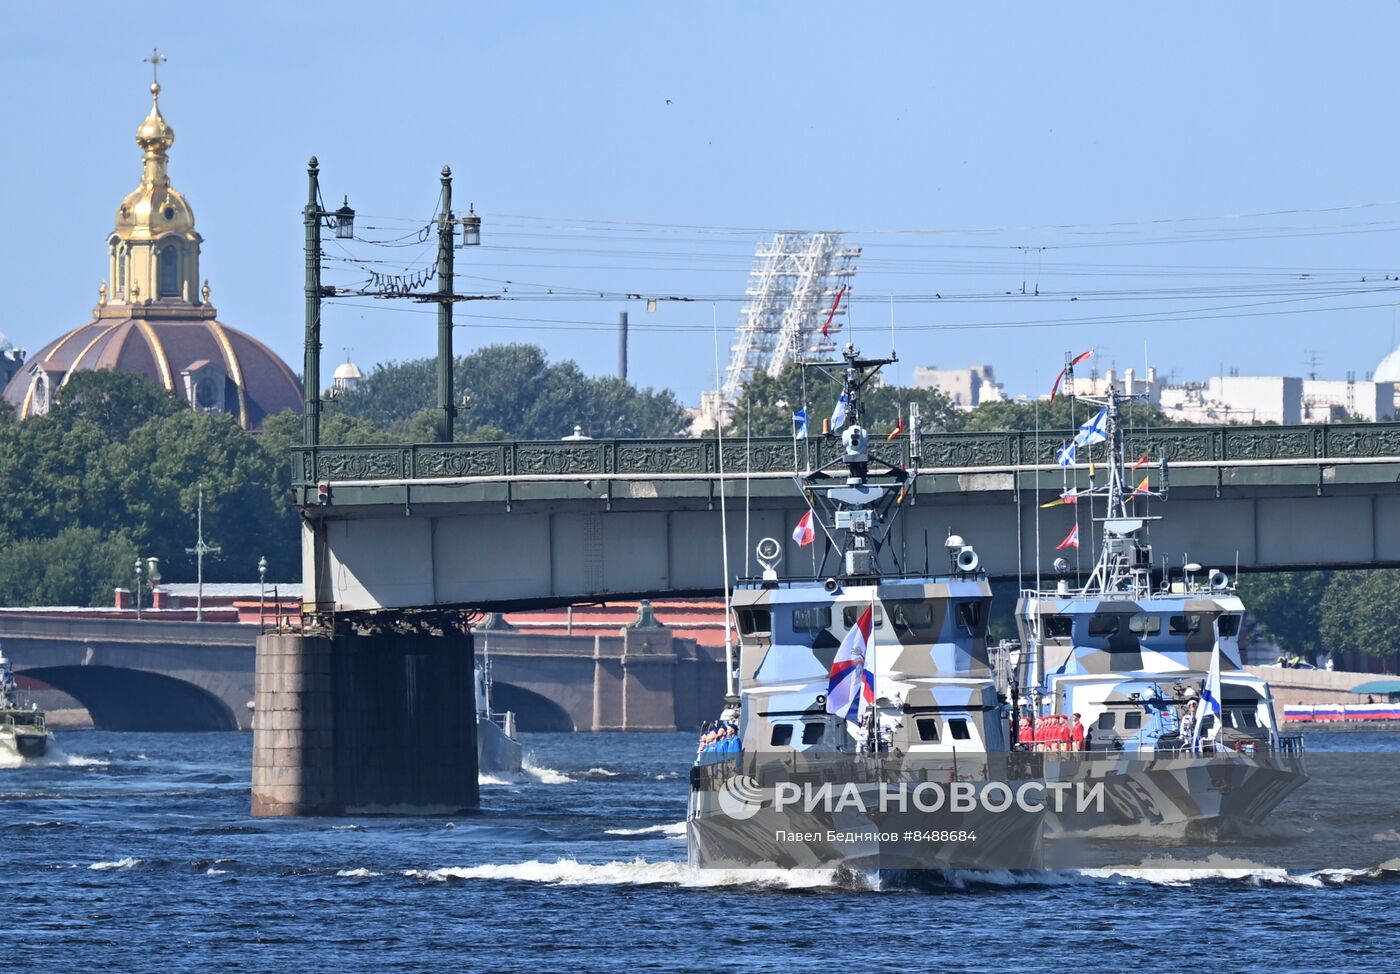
pixel 1210 698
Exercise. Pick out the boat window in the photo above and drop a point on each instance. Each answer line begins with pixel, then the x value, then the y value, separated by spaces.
pixel 1059 626
pixel 782 735
pixel 1145 625
pixel 1244 718
pixel 1103 625
pixel 1229 625
pixel 957 727
pixel 851 613
pixel 1132 720
pixel 813 733
pixel 811 618
pixel 928 729
pixel 755 621
pixel 1186 625
pixel 912 617
pixel 970 616
pixel 1105 720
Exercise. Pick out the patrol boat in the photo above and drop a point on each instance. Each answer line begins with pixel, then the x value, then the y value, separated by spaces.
pixel 1118 676
pixel 497 746
pixel 930 707
pixel 23 730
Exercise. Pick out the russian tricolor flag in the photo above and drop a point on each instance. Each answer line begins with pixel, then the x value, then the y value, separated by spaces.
pixel 850 682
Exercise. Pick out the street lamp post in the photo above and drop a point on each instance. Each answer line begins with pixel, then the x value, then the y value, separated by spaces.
pixel 262 591
pixel 139 568
pixel 446 296
pixel 342 221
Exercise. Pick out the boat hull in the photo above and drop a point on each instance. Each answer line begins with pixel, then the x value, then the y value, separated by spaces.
pixel 496 751
pixel 27 745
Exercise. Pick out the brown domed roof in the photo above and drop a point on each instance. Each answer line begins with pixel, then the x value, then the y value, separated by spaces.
pixel 239 374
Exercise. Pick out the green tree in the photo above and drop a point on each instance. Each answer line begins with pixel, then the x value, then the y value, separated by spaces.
pixel 115 402
pixel 1360 614
pixel 1288 607
pixel 54 473
pixel 79 566
pixel 515 390
pixel 158 472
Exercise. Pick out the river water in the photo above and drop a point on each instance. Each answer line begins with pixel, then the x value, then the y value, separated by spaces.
pixel 136 852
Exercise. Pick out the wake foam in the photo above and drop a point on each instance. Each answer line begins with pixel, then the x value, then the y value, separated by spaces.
pixel 125 863
pixel 675 829
pixel 639 872
pixel 545 776
pixel 360 873
pixel 55 757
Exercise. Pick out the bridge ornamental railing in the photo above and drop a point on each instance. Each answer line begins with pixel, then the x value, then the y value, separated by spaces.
pixel 701 456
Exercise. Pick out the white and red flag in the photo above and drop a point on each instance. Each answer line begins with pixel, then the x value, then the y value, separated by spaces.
pixel 805 532
pixel 1071 540
pixel 850 682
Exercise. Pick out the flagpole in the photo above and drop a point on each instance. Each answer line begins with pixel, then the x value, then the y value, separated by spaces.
pixel 730 698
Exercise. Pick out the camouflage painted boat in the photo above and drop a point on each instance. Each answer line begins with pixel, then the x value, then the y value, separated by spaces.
pixel 1111 677
pixel 933 692
pixel 23 730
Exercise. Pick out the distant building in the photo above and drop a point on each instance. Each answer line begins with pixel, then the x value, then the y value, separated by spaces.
pixel 1236 399
pixel 11 359
pixel 1128 382
pixel 714 410
pixel 967 388
pixel 347 376
pixel 1331 400
pixel 153 318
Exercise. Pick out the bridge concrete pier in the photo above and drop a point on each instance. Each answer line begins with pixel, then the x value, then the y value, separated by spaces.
pixel 350 723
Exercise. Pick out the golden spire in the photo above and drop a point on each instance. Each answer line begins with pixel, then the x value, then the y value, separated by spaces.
pixel 155 136
pixel 153 251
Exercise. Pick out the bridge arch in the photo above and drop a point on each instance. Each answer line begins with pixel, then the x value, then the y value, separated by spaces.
pixel 533 711
pixel 119 698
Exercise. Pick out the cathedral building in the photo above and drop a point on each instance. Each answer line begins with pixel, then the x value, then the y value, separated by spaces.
pixel 153 316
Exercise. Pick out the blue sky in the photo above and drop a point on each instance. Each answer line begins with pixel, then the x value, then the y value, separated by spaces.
pixel 1107 153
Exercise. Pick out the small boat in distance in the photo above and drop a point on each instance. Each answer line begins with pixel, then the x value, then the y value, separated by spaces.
pixel 497 749
pixel 23 730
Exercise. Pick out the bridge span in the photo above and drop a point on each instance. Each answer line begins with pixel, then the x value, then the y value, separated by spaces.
pixel 548 523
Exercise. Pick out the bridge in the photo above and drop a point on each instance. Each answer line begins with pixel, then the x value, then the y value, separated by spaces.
pixel 135 674
pixel 504 525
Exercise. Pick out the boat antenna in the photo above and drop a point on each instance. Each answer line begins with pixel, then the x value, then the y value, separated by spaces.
pixel 730 698
pixel 748 474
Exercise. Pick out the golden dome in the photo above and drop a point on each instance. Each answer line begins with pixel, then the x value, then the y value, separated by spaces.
pixel 155 133
pixel 154 208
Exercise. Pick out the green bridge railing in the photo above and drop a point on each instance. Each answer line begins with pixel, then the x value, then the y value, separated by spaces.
pixel 435 461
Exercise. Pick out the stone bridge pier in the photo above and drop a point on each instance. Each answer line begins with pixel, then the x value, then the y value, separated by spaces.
pixel 353 723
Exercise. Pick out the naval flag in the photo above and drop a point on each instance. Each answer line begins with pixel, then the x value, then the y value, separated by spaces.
pixel 1210 699
pixel 838 415
pixel 1066 454
pixel 850 682
pixel 805 533
pixel 1094 431
pixel 1071 540
pixel 799 424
